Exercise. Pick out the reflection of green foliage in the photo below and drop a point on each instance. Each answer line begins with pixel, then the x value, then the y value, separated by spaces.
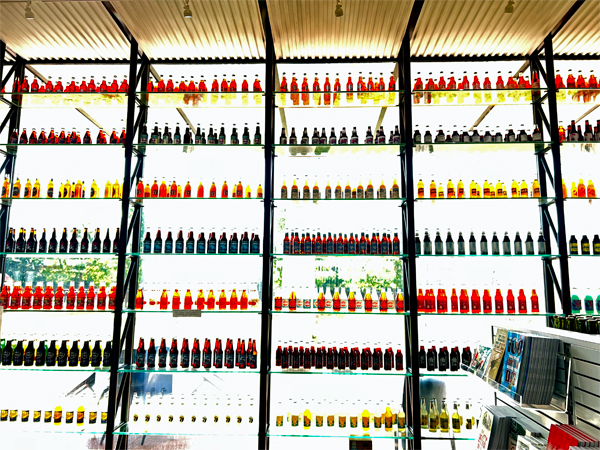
pixel 278 277
pixel 281 224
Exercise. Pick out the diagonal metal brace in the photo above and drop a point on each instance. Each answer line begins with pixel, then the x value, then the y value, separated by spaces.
pixel 542 158
pixel 134 218
pixel 550 222
pixel 554 278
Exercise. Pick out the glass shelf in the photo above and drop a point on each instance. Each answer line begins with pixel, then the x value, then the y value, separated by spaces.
pixel 338 99
pixel 590 199
pixel 145 199
pixel 537 146
pixel 335 255
pixel 178 430
pixel 68 99
pixel 476 97
pixel 336 150
pixel 203 99
pixel 41 311
pixel 13 148
pixel 541 314
pixel 131 368
pixel 245 255
pixel 192 311
pixel 426 435
pixel 335 432
pixel 348 313
pixel 460 373
pixel 55 369
pixel 541 200
pixel 339 372
pixel 490 256
pixel 301 201
pixel 61 255
pixel 66 200
pixel 587 256
pixel 189 148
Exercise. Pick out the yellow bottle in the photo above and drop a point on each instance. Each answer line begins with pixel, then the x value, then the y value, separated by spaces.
pixel 580 189
pixel 420 189
pixel 57 419
pixel 360 190
pixel 307 419
pixel 16 193
pixel 451 193
pixel 83 189
pixel 444 418
pixel 424 415
pixel 6 188
pixel 67 190
pixel 401 419
pixel 36 189
pixel 591 190
pixel 366 420
pixel 295 190
pixel 433 426
pixel 94 190
pixel 486 189
pixel 535 189
pixel 460 188
pixel 27 191
pixel 73 189
pixel 492 192
pixel 455 419
pixel 432 189
pixel 440 192
pixel 478 190
pixel 499 190
pixel 50 190
pixel 504 191
pixel 564 189
pixel 60 191
pixel 514 189
pixel 524 190
pixel 259 191
pixel 306 190
pixel 248 193
pixel 473 189
pixel 387 419
pixel 573 190
pixel 80 416
pixel 107 190
pixel 116 189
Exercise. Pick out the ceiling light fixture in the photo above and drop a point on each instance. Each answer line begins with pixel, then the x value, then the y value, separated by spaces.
pixel 187 12
pixel 509 7
pixel 339 12
pixel 28 11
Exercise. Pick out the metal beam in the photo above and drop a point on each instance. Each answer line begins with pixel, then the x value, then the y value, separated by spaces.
pixel 587 113
pixel 559 26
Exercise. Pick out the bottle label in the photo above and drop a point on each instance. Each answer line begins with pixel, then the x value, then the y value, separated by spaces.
pixel 178 247
pixel 157 247
pixel 233 246
pixel 168 247
pixel 255 248
pixel 212 247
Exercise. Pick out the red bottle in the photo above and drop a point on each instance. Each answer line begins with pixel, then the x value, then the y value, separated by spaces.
pixel 420 301
pixel 91 297
pixel 139 299
pixel 26 298
pixel 487 302
pixel 475 302
pixel 176 300
pixel 58 87
pixel 102 298
pixel 92 85
pixel 571 80
pixel 499 303
pixel 58 298
pixel 112 295
pixel 256 85
pixel 442 302
pixel 522 302
pixel 47 299
pixel 327 89
pixel 535 305
pixel 454 301
pixel 80 299
pixel 399 302
pixel 71 295
pixel 558 81
pixel 510 302
pixel 429 301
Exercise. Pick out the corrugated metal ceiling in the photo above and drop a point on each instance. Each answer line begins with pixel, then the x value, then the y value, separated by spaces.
pixel 309 28
pixel 73 30
pixel 481 28
pixel 217 29
pixel 581 34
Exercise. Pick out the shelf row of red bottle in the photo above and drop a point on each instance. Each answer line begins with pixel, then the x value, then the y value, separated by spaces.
pixel 228 358
pixel 353 302
pixel 208 302
pixel 292 357
pixel 428 302
pixel 49 299
pixel 63 138
pixel 386 245
pixel 174 190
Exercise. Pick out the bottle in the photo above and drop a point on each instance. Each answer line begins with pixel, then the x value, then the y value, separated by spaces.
pixel 433 418
pixel 483 244
pixel 456 419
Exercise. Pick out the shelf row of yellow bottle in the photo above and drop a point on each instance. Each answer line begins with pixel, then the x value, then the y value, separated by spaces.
pixel 348 192
pixel 66 190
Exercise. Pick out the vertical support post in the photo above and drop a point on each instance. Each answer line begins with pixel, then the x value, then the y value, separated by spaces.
pixel 267 272
pixel 543 207
pixel 9 168
pixel 120 294
pixel 408 241
pixel 135 265
pixel 560 202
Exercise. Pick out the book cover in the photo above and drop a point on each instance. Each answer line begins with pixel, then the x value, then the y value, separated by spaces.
pixel 484 432
pixel 515 343
pixel 497 355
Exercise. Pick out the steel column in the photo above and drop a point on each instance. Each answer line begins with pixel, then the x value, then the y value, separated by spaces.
pixel 560 202
pixel 409 262
pixel 120 294
pixel 267 272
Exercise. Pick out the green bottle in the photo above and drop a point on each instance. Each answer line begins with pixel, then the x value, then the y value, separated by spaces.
pixel 588 304
pixel 575 303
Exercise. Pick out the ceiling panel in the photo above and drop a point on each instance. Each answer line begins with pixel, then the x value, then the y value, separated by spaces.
pixel 581 34
pixel 217 29
pixel 309 28
pixel 62 30
pixel 482 28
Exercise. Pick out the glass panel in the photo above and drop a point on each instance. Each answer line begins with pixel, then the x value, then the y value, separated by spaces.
pixel 339 99
pixel 348 150
pixel 203 99
pixel 471 97
pixel 67 99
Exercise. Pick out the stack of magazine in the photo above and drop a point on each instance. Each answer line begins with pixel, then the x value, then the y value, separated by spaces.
pixel 521 365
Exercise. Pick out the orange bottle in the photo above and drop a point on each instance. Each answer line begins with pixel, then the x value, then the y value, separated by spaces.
pixel 187 192
pixel 222 300
pixel 154 190
pixel 453 301
pixel 259 191
pixel 305 90
pixel 233 300
pixel 139 300
pixel 432 190
pixel 210 302
pixel 200 301
pixel 4 297
pixel 173 190
pixel 535 305
pixel 164 300
pixel 101 301
pixel 187 300
pixel 239 190
pixel 90 298
pixel 200 192
pixel 487 302
pixel 116 190
pixel 6 188
pixel 244 301
pixel 591 190
pixel 224 190
pixel 162 190
pixel 581 191
pixel 176 300
pixel 139 192
pixel 213 190
pixel 498 303
pixel 522 300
